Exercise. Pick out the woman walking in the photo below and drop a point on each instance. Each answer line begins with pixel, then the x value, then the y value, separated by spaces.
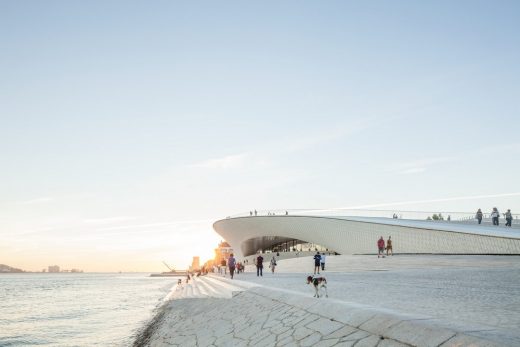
pixel 273 264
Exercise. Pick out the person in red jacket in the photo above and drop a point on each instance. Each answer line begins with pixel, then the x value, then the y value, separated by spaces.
pixel 381 247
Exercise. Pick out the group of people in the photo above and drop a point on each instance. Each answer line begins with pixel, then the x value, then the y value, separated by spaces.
pixel 381 247
pixel 495 215
pixel 232 265
pixel 255 212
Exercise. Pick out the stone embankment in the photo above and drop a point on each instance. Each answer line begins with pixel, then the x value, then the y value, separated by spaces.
pixel 212 311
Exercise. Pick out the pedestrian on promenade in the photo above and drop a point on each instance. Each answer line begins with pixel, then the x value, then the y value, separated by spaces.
pixel 509 218
pixel 223 264
pixel 259 265
pixel 495 215
pixel 389 246
pixel 322 262
pixel 317 261
pixel 286 213
pixel 231 264
pixel 255 213
pixel 381 247
pixel 250 213
pixel 478 216
pixel 273 264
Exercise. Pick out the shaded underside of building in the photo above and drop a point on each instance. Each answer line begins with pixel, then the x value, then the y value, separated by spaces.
pixel 358 235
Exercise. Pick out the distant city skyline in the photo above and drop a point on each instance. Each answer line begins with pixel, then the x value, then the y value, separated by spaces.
pixel 127 129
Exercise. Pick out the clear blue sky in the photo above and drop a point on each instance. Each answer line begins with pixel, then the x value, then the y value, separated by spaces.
pixel 128 127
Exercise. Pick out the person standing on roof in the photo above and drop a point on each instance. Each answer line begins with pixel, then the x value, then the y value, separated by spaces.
pixel 495 215
pixel 478 216
pixel 509 218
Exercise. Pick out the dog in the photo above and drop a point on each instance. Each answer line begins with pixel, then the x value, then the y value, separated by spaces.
pixel 318 283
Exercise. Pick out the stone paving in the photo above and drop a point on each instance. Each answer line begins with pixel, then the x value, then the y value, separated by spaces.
pixel 253 320
pixel 402 301
pixel 477 294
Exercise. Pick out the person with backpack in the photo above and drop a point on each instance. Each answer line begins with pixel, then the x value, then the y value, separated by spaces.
pixel 259 265
pixel 231 264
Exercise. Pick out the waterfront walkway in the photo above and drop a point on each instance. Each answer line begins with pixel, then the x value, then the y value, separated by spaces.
pixel 401 300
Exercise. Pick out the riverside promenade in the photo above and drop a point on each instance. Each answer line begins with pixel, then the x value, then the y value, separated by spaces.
pixel 396 301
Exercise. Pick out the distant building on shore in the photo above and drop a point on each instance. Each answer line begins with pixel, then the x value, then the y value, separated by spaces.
pixel 9 269
pixel 54 268
pixel 195 264
pixel 222 252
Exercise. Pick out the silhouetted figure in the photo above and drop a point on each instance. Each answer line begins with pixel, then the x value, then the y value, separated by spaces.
pixel 259 265
pixel 317 262
pixel 255 213
pixel 231 264
pixel 509 218
pixel 479 215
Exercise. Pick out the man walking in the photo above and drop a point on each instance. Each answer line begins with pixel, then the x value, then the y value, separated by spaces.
pixel 389 246
pixel 231 264
pixel 381 247
pixel 317 261
pixel 259 265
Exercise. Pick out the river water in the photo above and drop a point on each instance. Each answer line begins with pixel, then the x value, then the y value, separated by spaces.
pixel 71 309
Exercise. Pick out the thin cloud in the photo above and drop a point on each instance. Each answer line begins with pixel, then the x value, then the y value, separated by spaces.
pixel 421 165
pixel 227 162
pixel 473 197
pixel 108 220
pixel 42 200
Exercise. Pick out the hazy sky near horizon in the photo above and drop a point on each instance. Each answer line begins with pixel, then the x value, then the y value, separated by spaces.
pixel 129 127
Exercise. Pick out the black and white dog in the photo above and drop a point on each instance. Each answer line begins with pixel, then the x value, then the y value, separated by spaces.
pixel 318 283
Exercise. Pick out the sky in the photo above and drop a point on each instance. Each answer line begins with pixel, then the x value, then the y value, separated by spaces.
pixel 128 127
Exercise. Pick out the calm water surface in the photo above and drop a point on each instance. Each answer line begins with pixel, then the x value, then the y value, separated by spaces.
pixel 77 309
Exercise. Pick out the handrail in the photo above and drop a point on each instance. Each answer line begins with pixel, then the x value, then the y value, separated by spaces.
pixel 400 214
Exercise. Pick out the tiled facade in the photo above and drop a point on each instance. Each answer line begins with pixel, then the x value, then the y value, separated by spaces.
pixel 349 236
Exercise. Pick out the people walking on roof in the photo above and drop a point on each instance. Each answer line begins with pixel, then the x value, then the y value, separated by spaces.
pixel 259 265
pixel 322 262
pixel 495 215
pixel 317 262
pixel 479 215
pixel 509 218
pixel 381 247
pixel 273 264
pixel 389 246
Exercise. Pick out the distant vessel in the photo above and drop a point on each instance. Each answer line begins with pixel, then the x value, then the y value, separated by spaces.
pixel 171 273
